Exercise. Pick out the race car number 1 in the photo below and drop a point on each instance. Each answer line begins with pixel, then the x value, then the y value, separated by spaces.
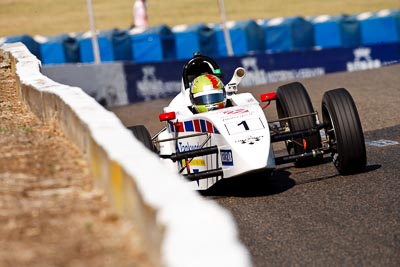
pixel 243 126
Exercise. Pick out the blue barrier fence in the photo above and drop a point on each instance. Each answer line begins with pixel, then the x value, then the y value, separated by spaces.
pixel 160 43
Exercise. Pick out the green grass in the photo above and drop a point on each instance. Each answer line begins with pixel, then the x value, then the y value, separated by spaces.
pixel 52 17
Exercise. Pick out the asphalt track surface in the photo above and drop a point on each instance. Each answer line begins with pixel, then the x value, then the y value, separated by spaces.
pixel 312 216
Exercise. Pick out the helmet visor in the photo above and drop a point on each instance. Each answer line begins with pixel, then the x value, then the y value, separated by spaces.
pixel 211 98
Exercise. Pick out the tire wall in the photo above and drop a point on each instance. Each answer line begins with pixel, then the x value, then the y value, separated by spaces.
pixel 177 225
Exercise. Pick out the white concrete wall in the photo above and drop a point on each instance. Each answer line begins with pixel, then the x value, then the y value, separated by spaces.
pixel 181 228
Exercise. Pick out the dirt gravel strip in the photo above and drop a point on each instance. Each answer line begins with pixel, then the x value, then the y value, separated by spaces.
pixel 50 214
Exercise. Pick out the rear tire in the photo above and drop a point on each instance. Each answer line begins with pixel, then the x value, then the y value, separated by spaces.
pixel 293 100
pixel 143 135
pixel 344 131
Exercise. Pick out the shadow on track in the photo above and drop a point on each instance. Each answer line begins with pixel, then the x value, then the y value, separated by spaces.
pixel 252 185
pixel 264 184
pixel 371 168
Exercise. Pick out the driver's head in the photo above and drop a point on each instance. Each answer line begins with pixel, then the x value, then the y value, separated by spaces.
pixel 207 93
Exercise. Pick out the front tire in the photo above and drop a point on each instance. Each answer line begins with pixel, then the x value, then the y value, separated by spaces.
pixel 293 100
pixel 143 135
pixel 344 131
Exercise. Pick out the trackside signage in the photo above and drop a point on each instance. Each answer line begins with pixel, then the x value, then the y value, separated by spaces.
pixel 163 79
pixel 363 60
pixel 158 80
pixel 255 75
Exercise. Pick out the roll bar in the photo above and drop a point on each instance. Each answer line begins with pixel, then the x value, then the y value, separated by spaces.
pixel 198 65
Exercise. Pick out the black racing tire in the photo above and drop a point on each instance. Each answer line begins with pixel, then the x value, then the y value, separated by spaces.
pixel 293 100
pixel 344 131
pixel 143 135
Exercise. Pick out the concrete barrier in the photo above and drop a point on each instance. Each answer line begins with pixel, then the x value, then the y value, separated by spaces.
pixel 179 227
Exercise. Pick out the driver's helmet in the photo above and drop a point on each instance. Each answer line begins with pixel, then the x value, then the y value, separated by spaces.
pixel 207 93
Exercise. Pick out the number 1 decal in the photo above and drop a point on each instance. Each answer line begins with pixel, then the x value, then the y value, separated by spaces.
pixel 251 124
pixel 244 123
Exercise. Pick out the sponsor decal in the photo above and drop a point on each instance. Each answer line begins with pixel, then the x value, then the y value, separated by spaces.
pixel 236 111
pixel 226 157
pixel 186 146
pixel 194 162
pixel 255 75
pixel 363 60
pixel 228 115
pixel 250 140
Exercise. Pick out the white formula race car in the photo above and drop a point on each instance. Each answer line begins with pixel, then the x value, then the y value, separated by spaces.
pixel 207 147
